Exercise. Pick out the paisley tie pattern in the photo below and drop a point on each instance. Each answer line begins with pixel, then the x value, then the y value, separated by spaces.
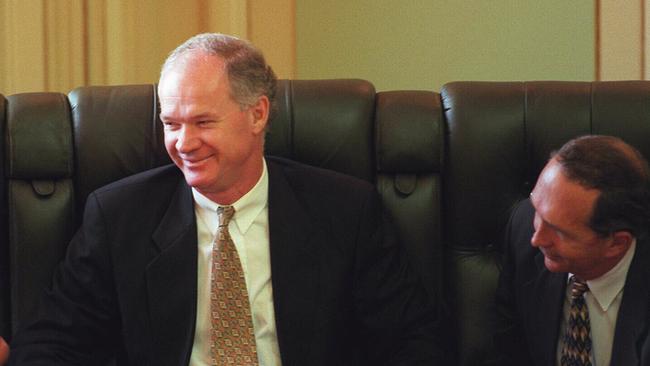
pixel 233 336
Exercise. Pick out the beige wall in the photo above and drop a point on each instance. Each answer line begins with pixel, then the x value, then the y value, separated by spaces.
pixel 51 45
pixel 422 44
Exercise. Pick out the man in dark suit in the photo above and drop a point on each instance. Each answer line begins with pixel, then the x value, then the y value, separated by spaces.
pixel 586 222
pixel 150 279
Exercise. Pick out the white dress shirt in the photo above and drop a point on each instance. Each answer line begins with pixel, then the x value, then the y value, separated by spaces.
pixel 603 301
pixel 249 230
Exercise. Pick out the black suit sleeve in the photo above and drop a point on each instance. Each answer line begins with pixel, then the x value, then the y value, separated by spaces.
pixel 510 340
pixel 401 324
pixel 76 323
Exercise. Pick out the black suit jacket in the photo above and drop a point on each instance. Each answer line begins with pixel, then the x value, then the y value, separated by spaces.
pixel 127 287
pixel 530 300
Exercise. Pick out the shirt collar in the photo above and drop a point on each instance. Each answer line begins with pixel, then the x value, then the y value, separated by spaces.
pixel 606 287
pixel 247 207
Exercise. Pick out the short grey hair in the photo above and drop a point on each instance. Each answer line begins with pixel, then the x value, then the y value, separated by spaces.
pixel 249 75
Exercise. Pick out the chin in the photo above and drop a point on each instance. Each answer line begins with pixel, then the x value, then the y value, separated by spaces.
pixel 194 181
pixel 554 266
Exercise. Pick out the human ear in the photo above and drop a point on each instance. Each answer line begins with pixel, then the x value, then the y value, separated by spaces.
pixel 260 112
pixel 621 241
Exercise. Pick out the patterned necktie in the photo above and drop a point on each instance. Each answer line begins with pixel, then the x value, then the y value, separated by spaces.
pixel 233 337
pixel 577 339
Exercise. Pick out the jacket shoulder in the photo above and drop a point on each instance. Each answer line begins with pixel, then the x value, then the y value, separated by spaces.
pixel 168 174
pixel 151 188
pixel 519 232
pixel 307 177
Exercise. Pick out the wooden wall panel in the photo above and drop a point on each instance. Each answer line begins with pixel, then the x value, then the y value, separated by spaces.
pixel 620 39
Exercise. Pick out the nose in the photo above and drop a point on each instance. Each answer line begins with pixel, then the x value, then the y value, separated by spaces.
pixel 536 239
pixel 540 237
pixel 187 140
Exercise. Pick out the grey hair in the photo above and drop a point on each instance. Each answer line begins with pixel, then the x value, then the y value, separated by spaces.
pixel 249 75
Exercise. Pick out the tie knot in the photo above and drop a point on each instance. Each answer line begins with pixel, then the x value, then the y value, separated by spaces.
pixel 578 288
pixel 225 214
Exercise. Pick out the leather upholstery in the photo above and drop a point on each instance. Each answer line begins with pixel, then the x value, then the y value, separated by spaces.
pixel 409 146
pixel 448 167
pixel 326 123
pixel 39 193
pixel 117 133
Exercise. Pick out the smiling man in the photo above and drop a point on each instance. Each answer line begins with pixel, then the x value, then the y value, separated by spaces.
pixel 230 257
pixel 574 289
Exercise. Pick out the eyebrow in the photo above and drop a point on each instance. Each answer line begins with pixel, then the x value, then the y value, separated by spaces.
pixel 555 227
pixel 198 117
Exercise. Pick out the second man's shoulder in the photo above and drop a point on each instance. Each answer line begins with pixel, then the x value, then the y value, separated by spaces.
pixel 521 228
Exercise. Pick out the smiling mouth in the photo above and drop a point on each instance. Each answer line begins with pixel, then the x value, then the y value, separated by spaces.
pixel 194 162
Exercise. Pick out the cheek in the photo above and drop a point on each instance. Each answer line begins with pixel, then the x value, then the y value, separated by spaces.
pixel 170 142
pixel 571 252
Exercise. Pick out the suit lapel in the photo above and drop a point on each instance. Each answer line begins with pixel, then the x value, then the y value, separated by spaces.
pixel 631 323
pixel 546 295
pixel 171 281
pixel 294 267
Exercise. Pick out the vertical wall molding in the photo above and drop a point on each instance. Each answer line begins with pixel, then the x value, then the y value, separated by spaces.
pixel 642 37
pixel 646 40
pixel 597 45
pixel 621 40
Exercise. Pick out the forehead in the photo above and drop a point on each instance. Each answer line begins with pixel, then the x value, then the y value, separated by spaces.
pixel 193 83
pixel 560 200
pixel 194 74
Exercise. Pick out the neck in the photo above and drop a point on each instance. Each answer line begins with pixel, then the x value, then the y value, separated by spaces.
pixel 606 266
pixel 240 186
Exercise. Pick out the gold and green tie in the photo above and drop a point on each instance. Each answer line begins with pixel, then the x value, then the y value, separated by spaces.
pixel 577 339
pixel 233 336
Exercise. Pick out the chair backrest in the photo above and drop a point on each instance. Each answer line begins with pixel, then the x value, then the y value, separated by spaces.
pixel 60 148
pixel 40 190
